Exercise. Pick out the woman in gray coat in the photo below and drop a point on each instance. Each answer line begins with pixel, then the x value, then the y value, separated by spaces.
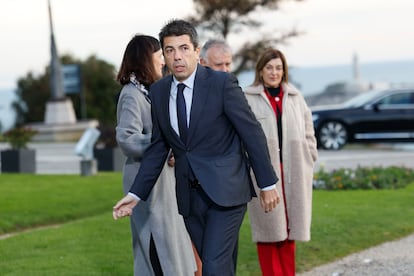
pixel 161 244
pixel 287 123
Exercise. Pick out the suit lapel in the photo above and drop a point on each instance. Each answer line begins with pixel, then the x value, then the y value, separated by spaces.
pixel 165 107
pixel 200 95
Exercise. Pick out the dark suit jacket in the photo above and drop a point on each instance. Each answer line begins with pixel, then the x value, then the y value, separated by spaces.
pixel 220 122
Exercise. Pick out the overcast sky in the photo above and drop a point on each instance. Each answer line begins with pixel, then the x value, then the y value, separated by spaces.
pixel 377 30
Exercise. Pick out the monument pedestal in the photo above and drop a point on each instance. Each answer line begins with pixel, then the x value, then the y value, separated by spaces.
pixel 61 132
pixel 60 123
pixel 60 112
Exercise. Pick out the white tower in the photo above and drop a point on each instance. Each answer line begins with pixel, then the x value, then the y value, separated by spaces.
pixel 355 65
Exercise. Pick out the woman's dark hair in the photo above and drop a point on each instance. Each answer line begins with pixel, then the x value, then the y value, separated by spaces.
pixel 137 59
pixel 268 55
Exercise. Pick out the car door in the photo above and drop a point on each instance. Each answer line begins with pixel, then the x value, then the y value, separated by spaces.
pixel 393 116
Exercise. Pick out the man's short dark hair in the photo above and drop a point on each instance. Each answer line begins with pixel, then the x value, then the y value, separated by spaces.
pixel 178 27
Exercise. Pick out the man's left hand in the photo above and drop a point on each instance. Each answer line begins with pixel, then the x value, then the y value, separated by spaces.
pixel 269 199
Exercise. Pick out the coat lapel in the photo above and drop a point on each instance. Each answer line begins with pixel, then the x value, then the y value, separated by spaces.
pixel 200 95
pixel 165 107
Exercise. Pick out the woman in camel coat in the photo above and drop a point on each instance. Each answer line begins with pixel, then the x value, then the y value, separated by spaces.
pixel 287 123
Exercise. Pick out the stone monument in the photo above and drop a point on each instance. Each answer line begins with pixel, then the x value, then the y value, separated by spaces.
pixel 60 122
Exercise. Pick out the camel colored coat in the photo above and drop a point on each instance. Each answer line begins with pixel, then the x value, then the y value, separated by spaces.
pixel 299 155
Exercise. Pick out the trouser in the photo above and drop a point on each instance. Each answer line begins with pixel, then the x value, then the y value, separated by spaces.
pixel 214 230
pixel 155 261
pixel 277 258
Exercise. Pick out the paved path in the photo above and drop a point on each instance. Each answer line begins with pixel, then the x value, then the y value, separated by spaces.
pixel 388 259
pixel 57 159
pixel 379 156
pixel 54 158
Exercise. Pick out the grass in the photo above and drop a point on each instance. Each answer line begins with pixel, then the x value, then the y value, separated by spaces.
pixel 88 241
pixel 92 246
pixel 28 200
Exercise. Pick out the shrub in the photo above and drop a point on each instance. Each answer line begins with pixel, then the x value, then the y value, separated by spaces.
pixel 19 137
pixel 363 178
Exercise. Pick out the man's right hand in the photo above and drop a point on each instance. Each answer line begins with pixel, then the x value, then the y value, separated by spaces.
pixel 124 207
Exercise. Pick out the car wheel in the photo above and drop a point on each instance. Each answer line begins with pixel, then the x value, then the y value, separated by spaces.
pixel 332 136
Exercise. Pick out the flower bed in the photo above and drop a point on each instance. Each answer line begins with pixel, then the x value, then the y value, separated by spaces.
pixel 363 178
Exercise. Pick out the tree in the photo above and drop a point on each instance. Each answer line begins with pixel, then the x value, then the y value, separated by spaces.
pixel 98 85
pixel 235 16
pixel 32 93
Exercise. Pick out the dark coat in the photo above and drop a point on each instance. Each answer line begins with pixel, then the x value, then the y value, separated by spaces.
pixel 220 121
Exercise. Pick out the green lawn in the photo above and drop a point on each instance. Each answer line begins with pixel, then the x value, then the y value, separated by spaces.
pixel 87 241
pixel 33 200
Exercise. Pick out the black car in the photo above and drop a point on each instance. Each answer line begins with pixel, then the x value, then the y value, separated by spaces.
pixel 380 116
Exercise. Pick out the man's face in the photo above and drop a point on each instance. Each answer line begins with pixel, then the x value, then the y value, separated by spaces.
pixel 218 59
pixel 180 56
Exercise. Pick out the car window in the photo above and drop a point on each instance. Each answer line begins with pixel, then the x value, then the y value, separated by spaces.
pixel 398 98
pixel 361 99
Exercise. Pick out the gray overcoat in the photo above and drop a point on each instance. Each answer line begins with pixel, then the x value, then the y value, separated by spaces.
pixel 158 215
pixel 299 155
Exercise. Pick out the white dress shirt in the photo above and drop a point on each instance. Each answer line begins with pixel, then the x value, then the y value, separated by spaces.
pixel 188 96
